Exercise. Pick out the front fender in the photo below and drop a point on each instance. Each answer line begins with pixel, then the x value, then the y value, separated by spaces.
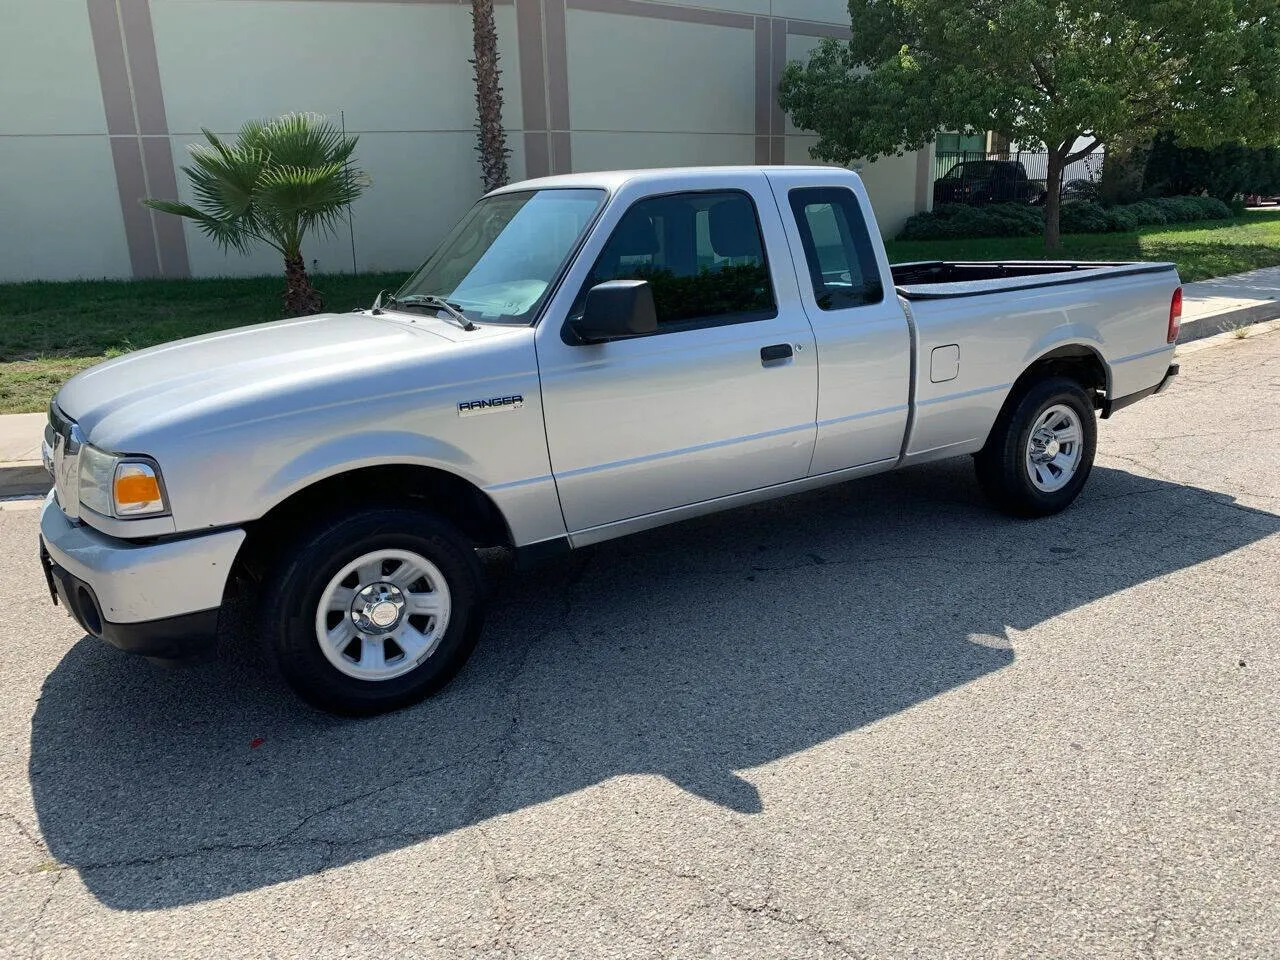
pixel 368 449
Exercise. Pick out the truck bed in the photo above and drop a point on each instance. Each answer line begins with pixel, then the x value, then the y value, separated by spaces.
pixel 942 279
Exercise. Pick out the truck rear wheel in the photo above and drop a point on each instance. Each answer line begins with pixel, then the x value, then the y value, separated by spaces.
pixel 1041 449
pixel 374 610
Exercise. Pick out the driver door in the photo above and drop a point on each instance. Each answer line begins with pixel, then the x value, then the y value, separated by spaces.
pixel 720 400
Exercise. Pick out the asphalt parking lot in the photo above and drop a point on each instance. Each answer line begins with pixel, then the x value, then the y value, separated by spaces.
pixel 877 720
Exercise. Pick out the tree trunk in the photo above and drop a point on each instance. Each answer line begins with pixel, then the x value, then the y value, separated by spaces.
pixel 491 140
pixel 1053 198
pixel 300 298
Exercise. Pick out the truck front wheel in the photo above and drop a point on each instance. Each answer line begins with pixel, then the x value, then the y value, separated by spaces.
pixel 1041 449
pixel 374 610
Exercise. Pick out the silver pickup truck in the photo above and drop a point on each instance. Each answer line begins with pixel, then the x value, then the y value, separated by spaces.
pixel 583 357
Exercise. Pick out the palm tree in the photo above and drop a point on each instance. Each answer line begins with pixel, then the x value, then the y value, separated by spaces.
pixel 278 180
pixel 491 139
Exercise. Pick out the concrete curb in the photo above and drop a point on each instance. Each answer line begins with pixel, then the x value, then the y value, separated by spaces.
pixel 24 478
pixel 1194 328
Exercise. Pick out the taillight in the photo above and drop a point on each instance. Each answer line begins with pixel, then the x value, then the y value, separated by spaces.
pixel 1175 315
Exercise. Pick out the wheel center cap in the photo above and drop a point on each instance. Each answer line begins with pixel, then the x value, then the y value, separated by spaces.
pixel 384 613
pixel 1045 445
pixel 378 608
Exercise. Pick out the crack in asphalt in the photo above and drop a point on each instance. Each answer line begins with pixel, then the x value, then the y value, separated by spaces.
pixel 288 840
pixel 506 742
pixel 779 915
pixel 1212 496
pixel 497 887
pixel 1211 433
pixel 31 837
pixel 767 908
pixel 40 912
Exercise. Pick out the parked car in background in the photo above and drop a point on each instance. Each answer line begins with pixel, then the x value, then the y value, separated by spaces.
pixel 584 357
pixel 1080 189
pixel 987 181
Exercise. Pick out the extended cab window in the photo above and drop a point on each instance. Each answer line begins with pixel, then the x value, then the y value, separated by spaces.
pixel 837 246
pixel 701 253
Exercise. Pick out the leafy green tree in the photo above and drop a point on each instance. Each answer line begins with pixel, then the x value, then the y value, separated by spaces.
pixel 278 181
pixel 1224 171
pixel 1071 74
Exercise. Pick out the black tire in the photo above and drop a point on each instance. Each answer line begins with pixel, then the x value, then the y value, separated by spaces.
pixel 297 581
pixel 1001 465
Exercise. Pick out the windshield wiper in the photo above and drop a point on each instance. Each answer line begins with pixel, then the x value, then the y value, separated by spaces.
pixel 453 311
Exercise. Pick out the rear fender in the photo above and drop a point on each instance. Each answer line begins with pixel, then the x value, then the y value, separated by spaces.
pixel 1064 339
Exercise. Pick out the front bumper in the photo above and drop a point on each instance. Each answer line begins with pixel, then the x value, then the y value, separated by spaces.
pixel 159 598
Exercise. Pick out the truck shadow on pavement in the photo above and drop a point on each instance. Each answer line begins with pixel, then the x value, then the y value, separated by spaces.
pixel 691 652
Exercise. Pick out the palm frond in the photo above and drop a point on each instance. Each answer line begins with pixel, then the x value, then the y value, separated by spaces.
pixel 279 180
pixel 225 181
pixel 308 189
pixel 229 233
pixel 301 140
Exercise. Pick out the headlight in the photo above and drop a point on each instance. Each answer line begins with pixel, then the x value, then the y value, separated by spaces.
pixel 96 472
pixel 122 487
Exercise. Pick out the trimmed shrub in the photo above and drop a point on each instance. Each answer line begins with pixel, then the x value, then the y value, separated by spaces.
pixel 1211 208
pixel 1084 216
pixel 959 222
pixel 1182 209
pixel 955 221
pixel 1123 220
pixel 1148 213
pixel 1159 210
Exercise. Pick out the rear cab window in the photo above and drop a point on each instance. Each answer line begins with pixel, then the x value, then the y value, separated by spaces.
pixel 837 246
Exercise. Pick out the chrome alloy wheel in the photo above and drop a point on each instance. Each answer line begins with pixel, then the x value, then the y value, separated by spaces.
pixel 383 614
pixel 1055 448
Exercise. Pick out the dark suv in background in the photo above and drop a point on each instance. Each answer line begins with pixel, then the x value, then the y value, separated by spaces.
pixel 987 181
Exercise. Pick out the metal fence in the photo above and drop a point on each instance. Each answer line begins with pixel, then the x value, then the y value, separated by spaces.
pixel 1036 164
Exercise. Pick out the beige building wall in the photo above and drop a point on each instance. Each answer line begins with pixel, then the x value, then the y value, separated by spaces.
pixel 102 98
pixel 59 207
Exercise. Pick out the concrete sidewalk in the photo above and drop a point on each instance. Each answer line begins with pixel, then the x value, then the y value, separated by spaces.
pixel 1209 307
pixel 1213 306
pixel 21 472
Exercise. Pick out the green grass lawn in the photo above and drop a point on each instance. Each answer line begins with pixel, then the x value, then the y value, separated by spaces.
pixel 48 331
pixel 1213 248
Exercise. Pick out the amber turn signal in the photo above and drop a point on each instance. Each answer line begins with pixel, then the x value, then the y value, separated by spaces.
pixel 137 490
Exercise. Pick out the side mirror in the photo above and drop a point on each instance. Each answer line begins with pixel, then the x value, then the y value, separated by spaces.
pixel 616 309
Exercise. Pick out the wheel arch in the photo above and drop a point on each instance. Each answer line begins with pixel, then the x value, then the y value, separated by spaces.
pixel 451 496
pixel 1077 361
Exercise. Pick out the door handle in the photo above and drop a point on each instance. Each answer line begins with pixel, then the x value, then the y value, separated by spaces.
pixel 775 352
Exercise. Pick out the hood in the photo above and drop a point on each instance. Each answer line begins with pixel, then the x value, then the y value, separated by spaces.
pixel 141 390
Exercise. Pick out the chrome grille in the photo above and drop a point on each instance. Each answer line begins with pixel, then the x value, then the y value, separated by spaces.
pixel 62 437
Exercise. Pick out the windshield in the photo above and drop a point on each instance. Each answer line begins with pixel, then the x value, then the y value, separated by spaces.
pixel 496 265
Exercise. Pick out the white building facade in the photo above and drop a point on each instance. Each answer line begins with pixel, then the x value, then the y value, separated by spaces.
pixel 100 98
